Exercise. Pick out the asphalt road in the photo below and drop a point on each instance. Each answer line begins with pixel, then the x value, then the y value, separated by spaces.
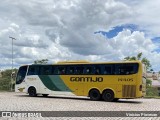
pixel 11 101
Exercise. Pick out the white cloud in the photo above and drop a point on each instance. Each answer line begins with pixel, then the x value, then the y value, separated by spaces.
pixel 14 25
pixel 146 15
pixel 64 30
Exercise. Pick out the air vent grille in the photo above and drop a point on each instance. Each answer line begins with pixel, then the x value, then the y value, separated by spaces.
pixel 129 91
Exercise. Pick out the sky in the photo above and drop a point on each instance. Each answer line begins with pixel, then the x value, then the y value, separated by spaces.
pixel 92 30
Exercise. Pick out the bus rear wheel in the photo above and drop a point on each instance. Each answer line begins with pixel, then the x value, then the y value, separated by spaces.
pixel 94 94
pixel 108 95
pixel 32 92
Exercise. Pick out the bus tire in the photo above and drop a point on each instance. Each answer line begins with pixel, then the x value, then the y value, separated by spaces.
pixel 94 94
pixel 32 92
pixel 45 95
pixel 108 95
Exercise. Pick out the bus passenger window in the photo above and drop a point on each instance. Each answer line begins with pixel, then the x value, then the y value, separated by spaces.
pixel 88 70
pixel 97 70
pixel 62 70
pixel 80 70
pixel 71 70
pixel 53 70
pixel 121 71
pixel 107 70
pixel 127 69
pixel 45 70
pixel 33 70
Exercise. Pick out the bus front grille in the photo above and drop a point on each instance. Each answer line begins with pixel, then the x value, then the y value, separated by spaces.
pixel 129 91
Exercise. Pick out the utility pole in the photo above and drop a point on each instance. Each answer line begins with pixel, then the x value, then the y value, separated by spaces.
pixel 12 59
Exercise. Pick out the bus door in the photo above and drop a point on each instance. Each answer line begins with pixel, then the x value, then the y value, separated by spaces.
pixel 32 78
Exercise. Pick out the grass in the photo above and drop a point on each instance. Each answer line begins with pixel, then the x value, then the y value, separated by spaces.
pixel 156 97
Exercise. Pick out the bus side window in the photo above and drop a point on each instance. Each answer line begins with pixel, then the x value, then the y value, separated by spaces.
pixel 108 70
pixel 88 70
pixel 45 70
pixel 79 70
pixel 61 70
pixel 120 69
pixel 131 68
pixel 33 70
pixel 126 69
pixel 97 70
pixel 71 70
pixel 53 71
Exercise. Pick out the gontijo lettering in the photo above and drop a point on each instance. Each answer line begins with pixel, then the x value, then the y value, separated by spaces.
pixel 86 79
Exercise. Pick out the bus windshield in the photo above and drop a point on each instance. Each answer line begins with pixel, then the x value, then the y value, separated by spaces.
pixel 21 74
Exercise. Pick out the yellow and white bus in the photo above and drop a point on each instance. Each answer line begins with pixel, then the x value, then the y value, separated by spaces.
pixel 109 81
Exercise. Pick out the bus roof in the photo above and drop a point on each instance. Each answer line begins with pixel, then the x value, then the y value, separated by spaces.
pixel 72 62
pixel 86 62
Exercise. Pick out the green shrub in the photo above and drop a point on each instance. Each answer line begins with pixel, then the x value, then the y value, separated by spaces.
pixel 4 84
pixel 148 82
pixel 152 91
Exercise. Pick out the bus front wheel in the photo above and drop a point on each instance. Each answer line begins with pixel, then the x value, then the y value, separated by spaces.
pixel 32 92
pixel 94 94
pixel 108 95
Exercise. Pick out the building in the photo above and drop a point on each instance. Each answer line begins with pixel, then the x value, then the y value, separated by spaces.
pixel 154 77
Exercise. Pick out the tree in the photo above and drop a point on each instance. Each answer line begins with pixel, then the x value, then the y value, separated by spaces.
pixel 8 72
pixel 5 80
pixel 130 58
pixel 139 57
pixel 151 70
pixel 146 62
pixel 43 61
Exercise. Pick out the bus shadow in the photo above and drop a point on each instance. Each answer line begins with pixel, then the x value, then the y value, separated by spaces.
pixel 84 99
pixel 130 102
pixel 59 97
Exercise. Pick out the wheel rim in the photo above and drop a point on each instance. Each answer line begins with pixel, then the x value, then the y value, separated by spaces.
pixel 32 92
pixel 108 96
pixel 94 95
